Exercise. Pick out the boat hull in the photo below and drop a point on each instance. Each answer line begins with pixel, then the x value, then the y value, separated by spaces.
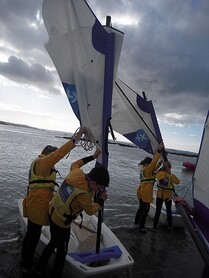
pixel 176 217
pixel 86 242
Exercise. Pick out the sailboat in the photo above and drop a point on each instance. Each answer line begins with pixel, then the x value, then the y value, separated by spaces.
pixel 86 56
pixel 198 225
pixel 87 66
pixel 134 117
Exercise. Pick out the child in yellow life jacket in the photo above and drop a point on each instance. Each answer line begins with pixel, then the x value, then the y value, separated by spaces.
pixel 74 195
pixel 139 211
pixel 41 183
pixel 145 190
pixel 165 184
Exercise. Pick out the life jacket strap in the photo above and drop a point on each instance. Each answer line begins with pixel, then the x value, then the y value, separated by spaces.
pixel 42 181
pixel 147 180
pixel 70 218
pixel 165 188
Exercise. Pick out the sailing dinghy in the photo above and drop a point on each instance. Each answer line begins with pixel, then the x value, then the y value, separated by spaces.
pixel 198 225
pixel 86 55
pixel 134 117
pixel 81 260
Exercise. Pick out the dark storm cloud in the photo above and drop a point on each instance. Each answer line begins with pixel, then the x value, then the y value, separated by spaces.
pixel 16 18
pixel 165 54
pixel 32 74
pixel 23 37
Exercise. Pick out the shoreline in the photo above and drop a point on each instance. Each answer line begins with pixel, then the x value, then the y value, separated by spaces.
pixel 120 143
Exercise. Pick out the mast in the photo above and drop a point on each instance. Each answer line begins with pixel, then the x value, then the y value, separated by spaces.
pixel 108 21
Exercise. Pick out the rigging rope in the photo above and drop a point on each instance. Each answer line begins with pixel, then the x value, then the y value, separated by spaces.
pixel 182 189
pixel 87 140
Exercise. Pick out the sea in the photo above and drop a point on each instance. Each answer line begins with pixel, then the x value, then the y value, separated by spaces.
pixel 156 255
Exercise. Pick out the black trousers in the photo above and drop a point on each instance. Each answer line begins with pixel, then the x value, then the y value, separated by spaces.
pixel 59 240
pixel 30 242
pixel 139 212
pixel 144 209
pixel 168 205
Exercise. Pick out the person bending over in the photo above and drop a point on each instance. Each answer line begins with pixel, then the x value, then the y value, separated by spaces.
pixel 74 195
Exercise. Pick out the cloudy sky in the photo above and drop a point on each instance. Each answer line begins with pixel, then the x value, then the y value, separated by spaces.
pixel 165 53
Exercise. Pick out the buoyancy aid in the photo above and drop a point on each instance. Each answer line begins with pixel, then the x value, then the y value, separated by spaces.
pixel 165 184
pixel 37 182
pixel 61 202
pixel 144 179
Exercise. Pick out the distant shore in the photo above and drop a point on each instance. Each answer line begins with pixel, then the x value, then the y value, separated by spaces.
pixel 123 144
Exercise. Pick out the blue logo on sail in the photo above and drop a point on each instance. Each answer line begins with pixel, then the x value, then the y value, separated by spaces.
pixel 70 90
pixel 142 141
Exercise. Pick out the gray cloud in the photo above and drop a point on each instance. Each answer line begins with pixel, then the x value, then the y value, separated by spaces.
pixel 19 71
pixel 165 55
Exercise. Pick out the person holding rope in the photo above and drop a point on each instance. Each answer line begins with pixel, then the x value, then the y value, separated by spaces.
pixel 145 189
pixel 165 184
pixel 74 195
pixel 42 180
pixel 139 211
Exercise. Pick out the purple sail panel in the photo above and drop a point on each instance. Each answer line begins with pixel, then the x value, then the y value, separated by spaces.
pixel 147 106
pixel 141 140
pixel 201 216
pixel 104 42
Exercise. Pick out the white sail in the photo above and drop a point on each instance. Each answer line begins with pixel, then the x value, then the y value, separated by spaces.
pixel 201 184
pixel 86 56
pixel 198 225
pixel 134 117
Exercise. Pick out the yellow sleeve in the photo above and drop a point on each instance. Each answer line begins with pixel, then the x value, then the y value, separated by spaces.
pixel 44 164
pixel 148 171
pixel 174 179
pixel 85 201
pixel 77 164
pixel 161 175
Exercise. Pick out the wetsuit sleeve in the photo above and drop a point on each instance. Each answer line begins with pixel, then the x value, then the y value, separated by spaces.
pixel 79 163
pixel 87 159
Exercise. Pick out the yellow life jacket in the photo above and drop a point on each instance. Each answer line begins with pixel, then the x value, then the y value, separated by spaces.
pixel 36 182
pixel 144 179
pixel 61 202
pixel 165 184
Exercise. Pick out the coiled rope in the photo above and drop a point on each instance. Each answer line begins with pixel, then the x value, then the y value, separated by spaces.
pixel 86 140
